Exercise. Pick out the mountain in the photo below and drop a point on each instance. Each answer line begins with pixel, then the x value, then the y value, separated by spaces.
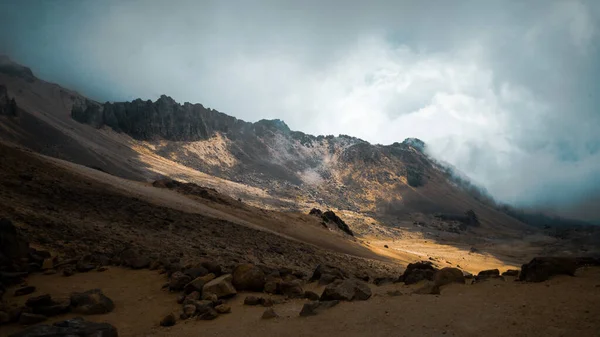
pixel 378 189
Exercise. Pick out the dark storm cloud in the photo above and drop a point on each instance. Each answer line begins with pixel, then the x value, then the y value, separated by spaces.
pixel 506 91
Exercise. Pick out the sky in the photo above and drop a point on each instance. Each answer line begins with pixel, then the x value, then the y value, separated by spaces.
pixel 505 91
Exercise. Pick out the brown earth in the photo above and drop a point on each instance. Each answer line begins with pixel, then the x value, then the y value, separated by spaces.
pixel 562 306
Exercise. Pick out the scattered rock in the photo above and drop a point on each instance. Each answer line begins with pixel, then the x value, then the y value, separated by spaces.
pixel 511 272
pixel 191 297
pixel 221 287
pixel 248 277
pixel 292 289
pixel 101 269
pixel 313 308
pixel 485 274
pixel 198 283
pixel 196 272
pixel 168 320
pixel 68 271
pixel 326 274
pixel 178 281
pixel 39 301
pixel 210 297
pixel 347 290
pixel 72 327
pixel 91 302
pixel 48 264
pixel 542 268
pixel 24 291
pixel 83 266
pixel 209 315
pixel 386 246
pixel 189 310
pixel 28 318
pixel 223 309
pixel 269 313
pixel 311 295
pixel 252 300
pixel 448 275
pixel 316 212
pixel 379 281
pixel 416 272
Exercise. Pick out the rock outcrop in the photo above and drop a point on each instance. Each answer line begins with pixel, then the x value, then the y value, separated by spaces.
pixel 346 290
pixel 542 268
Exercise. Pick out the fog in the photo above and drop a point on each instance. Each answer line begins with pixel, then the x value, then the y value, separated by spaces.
pixel 505 91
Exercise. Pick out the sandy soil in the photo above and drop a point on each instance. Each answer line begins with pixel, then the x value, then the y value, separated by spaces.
pixel 562 306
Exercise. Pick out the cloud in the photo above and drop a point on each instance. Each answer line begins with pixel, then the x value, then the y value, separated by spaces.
pixel 506 92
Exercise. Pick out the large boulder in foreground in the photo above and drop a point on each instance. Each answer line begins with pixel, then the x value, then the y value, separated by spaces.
pixel 248 277
pixel 347 290
pixel 221 287
pixel 542 268
pixel 419 271
pixel 72 327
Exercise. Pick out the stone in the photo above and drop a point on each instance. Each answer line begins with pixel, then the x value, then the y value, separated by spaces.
pixel 68 271
pixel 223 309
pixel 486 274
pixel 196 272
pixel 101 269
pixel 326 274
pixel 269 314
pixel 221 287
pixel 416 272
pixel 428 289
pixel 91 302
pixel 29 318
pixel 248 277
pixel 252 300
pixel 168 320
pixel 272 284
pixel 47 264
pixel 347 290
pixel 13 245
pixel 191 297
pixel 210 297
pixel 511 272
pixel 542 268
pixel 39 301
pixel 212 267
pixel 315 307
pixel 178 281
pixel 208 315
pixel 292 289
pixel 448 275
pixel 56 307
pixel 189 310
pixel 203 306
pixel 24 291
pixel 311 295
pixel 72 327
pixel 84 267
pixel 198 283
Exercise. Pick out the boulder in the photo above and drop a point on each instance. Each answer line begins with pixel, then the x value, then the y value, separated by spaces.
pixel 292 289
pixel 252 300
pixel 223 309
pixel 212 267
pixel 428 289
pixel 419 271
pixel 196 272
pixel 311 295
pixel 29 318
pixel 191 298
pixel 269 314
pixel 12 245
pixel 347 290
pixel 315 307
pixel 209 315
pixel 486 274
pixel 189 310
pixel 221 287
pixel 248 277
pixel 72 327
pixel 326 274
pixel 178 281
pixel 448 275
pixel 53 308
pixel 24 291
pixel 39 301
pixel 198 283
pixel 91 302
pixel 272 284
pixel 542 268
pixel 511 272
pixel 168 320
